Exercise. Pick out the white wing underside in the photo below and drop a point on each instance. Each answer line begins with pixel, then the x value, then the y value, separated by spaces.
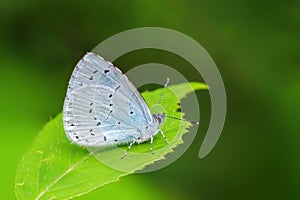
pixel 102 106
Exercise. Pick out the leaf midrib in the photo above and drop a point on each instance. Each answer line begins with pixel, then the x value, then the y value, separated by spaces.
pixel 62 175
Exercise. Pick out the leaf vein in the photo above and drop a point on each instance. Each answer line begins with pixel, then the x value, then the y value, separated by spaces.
pixel 62 175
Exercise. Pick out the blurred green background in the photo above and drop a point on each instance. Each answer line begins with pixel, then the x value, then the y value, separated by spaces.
pixel 255 44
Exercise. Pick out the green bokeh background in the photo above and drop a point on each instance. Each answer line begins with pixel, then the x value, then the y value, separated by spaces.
pixel 255 44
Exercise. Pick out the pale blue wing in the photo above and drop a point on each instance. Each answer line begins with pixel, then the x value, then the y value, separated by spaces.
pixel 102 106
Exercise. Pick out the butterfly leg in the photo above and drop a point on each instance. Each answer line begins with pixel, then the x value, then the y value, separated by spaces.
pixel 162 133
pixel 151 143
pixel 129 147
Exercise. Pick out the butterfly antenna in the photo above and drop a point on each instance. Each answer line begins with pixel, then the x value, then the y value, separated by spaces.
pixel 185 120
pixel 163 92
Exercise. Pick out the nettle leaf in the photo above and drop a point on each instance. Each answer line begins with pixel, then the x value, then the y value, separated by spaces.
pixel 54 168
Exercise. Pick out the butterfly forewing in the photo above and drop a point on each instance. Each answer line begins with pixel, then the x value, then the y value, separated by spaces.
pixel 102 106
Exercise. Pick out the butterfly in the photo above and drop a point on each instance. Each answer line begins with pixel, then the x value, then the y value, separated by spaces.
pixel 103 108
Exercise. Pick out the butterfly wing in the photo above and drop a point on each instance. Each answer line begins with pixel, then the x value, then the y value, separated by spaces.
pixel 102 106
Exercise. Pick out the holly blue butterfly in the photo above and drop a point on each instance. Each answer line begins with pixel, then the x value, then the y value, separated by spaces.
pixel 102 107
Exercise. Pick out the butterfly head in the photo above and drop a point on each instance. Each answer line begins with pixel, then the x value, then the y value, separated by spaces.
pixel 159 118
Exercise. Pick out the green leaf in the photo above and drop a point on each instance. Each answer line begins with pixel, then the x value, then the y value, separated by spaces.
pixel 54 168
